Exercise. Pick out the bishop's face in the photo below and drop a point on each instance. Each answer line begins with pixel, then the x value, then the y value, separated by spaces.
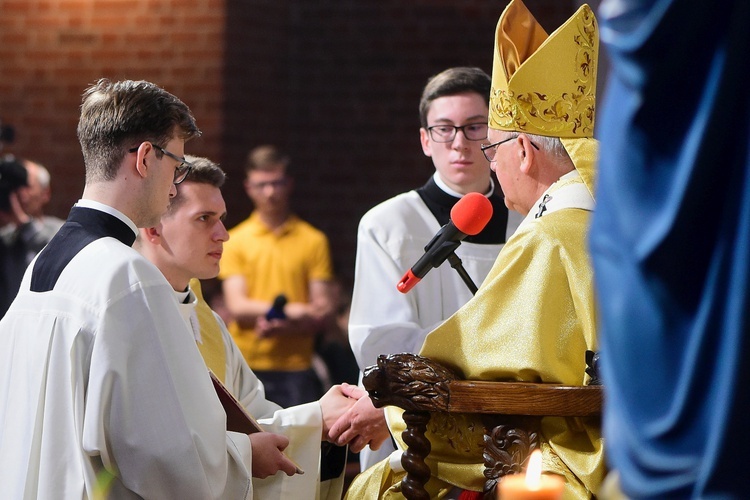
pixel 506 167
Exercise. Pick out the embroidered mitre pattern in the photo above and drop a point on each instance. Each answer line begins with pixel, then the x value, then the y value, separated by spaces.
pixel 549 89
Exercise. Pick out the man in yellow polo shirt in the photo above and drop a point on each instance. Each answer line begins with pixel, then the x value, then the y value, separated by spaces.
pixel 274 253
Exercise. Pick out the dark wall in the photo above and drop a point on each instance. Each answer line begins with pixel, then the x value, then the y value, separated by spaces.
pixel 337 84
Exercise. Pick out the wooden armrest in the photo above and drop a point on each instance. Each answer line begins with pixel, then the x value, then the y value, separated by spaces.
pixel 524 398
pixel 511 411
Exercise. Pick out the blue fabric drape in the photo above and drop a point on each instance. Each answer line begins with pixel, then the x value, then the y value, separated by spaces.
pixel 671 246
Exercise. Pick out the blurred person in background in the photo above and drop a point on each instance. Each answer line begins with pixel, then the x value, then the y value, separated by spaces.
pixel 276 271
pixel 24 229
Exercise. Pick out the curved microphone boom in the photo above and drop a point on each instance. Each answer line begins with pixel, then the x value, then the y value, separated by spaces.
pixel 468 217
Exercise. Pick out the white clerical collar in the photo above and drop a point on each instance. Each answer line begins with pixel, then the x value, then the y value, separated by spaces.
pixel 186 302
pixel 182 297
pixel 442 185
pixel 85 203
pixel 568 191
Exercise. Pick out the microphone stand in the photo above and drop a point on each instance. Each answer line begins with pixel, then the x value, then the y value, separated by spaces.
pixel 456 264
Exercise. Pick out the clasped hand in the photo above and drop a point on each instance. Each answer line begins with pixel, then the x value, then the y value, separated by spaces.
pixel 349 417
pixel 359 425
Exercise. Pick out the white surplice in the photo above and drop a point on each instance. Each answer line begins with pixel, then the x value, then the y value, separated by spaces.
pixel 99 376
pixel 302 424
pixel 390 239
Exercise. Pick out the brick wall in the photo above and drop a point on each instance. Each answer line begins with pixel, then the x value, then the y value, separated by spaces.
pixel 51 50
pixel 335 82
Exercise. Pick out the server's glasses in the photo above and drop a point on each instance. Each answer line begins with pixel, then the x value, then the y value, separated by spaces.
pixel 446 133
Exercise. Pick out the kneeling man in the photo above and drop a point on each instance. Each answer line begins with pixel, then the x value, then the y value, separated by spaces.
pixel 186 246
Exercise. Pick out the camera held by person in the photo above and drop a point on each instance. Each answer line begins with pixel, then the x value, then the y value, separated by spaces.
pixel 13 175
pixel 7 133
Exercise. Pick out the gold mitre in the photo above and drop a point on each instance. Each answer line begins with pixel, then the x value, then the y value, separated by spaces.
pixel 544 85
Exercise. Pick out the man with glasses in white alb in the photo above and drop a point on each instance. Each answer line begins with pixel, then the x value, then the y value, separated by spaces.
pixel 103 392
pixel 453 114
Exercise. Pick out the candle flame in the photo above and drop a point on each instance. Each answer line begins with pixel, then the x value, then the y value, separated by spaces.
pixel 534 471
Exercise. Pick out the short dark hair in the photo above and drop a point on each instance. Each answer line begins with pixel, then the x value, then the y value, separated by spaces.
pixel 266 158
pixel 454 81
pixel 204 171
pixel 116 116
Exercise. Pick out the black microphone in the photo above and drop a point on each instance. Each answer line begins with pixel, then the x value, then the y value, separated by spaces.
pixel 277 309
pixel 468 217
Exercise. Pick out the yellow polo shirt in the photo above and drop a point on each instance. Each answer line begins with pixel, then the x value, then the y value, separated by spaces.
pixel 275 262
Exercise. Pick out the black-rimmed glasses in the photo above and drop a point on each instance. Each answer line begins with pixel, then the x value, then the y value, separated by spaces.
pixel 490 150
pixel 183 166
pixel 446 133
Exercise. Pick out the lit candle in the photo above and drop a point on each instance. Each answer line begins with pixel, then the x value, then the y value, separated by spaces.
pixel 533 485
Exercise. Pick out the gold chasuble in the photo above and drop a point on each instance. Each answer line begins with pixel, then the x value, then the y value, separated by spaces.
pixel 532 320
pixel 534 316
pixel 211 345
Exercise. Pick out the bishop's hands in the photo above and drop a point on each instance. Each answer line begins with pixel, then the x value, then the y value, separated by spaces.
pixel 335 403
pixel 361 424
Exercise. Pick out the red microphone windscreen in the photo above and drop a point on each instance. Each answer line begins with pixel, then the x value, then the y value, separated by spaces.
pixel 471 213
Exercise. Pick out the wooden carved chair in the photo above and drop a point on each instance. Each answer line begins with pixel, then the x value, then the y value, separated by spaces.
pixel 511 412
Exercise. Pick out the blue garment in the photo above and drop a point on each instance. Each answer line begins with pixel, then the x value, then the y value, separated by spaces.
pixel 671 247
